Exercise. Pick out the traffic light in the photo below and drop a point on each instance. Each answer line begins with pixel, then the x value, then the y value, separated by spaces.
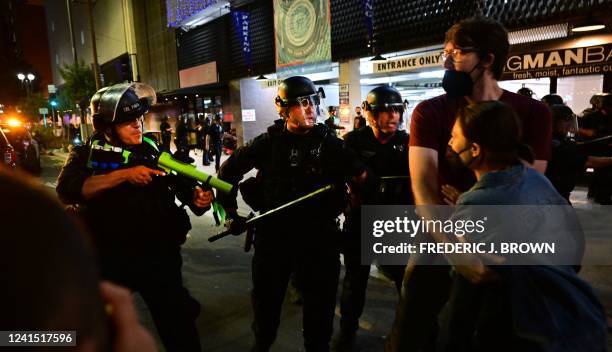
pixel 53 100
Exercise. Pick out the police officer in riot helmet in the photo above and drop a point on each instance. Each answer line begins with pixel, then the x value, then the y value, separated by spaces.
pixel 384 110
pixel 295 157
pixel 525 91
pixel 384 149
pixel 296 101
pixel 130 210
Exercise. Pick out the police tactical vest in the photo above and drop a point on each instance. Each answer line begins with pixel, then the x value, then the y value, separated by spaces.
pixel 299 164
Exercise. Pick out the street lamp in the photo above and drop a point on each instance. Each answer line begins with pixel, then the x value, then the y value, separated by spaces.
pixel 26 81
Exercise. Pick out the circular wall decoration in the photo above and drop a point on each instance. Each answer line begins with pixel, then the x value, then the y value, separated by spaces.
pixel 300 22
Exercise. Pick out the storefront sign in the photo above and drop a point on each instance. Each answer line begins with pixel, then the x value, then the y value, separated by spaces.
pixel 248 115
pixel 409 63
pixel 590 60
pixel 343 98
pixel 302 35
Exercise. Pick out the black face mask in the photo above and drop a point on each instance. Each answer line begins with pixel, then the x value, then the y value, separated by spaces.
pixel 458 84
pixel 454 158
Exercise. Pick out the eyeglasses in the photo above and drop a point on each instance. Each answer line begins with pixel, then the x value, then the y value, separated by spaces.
pixel 457 52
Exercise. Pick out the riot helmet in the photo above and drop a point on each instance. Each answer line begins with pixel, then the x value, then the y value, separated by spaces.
pixel 565 122
pixel 552 99
pixel 384 98
pixel 94 102
pixel 121 103
pixel 294 89
pixel 526 92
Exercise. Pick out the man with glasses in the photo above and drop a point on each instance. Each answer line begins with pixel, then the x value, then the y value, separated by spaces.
pixel 474 55
pixel 384 149
pixel 131 211
pixel 295 157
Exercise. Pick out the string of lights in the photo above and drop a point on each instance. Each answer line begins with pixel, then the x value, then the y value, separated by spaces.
pixel 180 10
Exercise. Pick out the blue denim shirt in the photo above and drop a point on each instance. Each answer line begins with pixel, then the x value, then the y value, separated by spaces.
pixel 516 185
pixel 551 306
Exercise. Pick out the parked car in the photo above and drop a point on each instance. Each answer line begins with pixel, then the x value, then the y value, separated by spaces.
pixel 24 146
pixel 9 157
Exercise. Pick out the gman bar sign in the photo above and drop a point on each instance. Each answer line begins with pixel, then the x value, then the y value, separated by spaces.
pixel 590 60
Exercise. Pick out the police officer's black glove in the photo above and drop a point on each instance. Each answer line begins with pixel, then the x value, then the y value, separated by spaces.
pixel 237 225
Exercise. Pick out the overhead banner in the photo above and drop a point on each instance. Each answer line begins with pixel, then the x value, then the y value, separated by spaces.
pixel 589 60
pixel 368 12
pixel 242 23
pixel 302 36
pixel 430 59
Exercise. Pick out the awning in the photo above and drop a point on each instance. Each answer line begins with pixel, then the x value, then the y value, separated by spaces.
pixel 206 89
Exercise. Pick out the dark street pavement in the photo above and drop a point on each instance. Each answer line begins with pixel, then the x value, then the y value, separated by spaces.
pixel 218 276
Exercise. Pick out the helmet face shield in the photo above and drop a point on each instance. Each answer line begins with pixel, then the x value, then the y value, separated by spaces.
pixel 145 91
pixel 308 100
pixel 389 107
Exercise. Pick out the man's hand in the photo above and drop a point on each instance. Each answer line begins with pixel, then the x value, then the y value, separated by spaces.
pixel 130 336
pixel 451 194
pixel 141 175
pixel 201 198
